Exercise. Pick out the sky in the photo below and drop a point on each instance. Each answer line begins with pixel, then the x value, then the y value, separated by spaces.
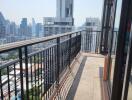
pixel 15 10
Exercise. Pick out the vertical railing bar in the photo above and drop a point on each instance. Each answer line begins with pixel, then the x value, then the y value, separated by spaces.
pixel 21 72
pixel 58 61
pixel 35 76
pixel 46 74
pixel 90 40
pixel 86 39
pixel 76 41
pixel 41 73
pixel 31 76
pixel 49 72
pixel 15 80
pixel 96 45
pixel 80 39
pixel 44 66
pixel 51 67
pixel 26 66
pixel 2 96
pixel 62 58
pixel 64 55
pixel 55 61
pixel 38 76
pixel 69 50
pixel 8 82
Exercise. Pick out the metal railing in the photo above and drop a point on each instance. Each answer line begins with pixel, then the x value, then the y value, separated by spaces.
pixel 32 69
pixel 35 71
pixel 90 41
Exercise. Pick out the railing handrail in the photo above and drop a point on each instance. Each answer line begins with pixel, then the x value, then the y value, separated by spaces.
pixel 14 45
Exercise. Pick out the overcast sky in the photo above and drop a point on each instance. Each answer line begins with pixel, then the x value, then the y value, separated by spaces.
pixel 14 10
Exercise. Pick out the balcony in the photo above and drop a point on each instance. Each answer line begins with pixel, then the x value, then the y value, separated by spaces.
pixel 64 66
pixel 87 79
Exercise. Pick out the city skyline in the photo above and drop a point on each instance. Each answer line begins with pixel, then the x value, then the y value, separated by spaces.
pixel 14 10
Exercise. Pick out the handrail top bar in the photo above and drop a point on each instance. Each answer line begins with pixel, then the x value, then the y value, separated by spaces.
pixel 14 45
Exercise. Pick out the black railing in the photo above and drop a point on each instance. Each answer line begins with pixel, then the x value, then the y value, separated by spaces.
pixel 31 69
pixel 90 41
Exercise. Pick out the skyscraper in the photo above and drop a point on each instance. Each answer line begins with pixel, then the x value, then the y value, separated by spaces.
pixel 13 28
pixel 64 8
pixel 33 28
pixel 2 26
pixel 23 27
pixel 39 30
pixel 63 22
pixel 64 11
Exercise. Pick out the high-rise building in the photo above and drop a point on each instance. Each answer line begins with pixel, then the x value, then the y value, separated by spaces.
pixel 2 26
pixel 24 27
pixel 64 8
pixel 7 28
pixel 39 30
pixel 33 28
pixel 13 28
pixel 64 11
pixel 63 22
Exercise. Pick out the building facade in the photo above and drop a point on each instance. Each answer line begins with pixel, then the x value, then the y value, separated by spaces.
pixel 2 26
pixel 25 29
pixel 33 28
pixel 63 22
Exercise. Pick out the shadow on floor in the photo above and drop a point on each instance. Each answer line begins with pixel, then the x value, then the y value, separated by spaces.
pixel 76 81
pixel 101 81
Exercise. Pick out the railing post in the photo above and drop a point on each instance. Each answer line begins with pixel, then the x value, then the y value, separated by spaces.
pixel 76 40
pixel 96 45
pixel 69 49
pixel 58 60
pixel 1 89
pixel 26 67
pixel 80 39
pixel 21 72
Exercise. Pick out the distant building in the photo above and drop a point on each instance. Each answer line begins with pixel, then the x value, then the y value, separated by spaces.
pixel 13 29
pixel 33 28
pixel 10 32
pixel 53 27
pixel 2 26
pixel 92 24
pixel 24 27
pixel 7 28
pixel 39 30
pixel 63 22
pixel 91 37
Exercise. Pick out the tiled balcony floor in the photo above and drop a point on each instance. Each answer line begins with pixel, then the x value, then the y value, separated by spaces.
pixel 87 82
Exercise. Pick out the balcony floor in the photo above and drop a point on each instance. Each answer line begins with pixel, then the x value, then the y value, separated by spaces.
pixel 87 84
